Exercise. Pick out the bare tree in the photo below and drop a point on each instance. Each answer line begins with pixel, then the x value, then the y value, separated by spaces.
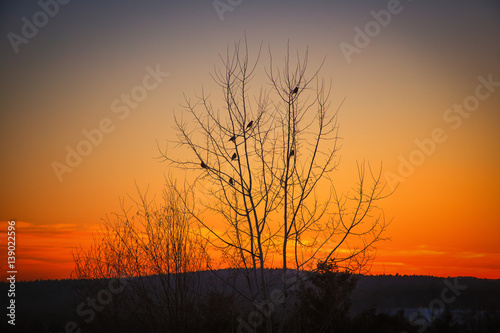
pixel 265 163
pixel 155 246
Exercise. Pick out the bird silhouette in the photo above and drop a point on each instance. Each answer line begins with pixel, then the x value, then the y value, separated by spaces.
pixel 233 138
pixel 231 181
pixel 250 124
pixel 292 152
pixel 234 157
pixel 296 90
pixel 203 165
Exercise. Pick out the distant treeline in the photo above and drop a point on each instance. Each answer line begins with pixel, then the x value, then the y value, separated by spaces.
pixel 328 301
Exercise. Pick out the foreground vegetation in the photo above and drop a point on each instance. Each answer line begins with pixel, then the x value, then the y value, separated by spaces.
pixel 328 301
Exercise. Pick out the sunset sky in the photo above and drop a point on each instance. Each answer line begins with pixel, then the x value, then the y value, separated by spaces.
pixel 400 86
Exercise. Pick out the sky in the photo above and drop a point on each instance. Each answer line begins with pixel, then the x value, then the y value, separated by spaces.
pixel 420 79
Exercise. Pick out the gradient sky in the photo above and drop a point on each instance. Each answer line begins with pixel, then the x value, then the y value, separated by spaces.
pixel 446 215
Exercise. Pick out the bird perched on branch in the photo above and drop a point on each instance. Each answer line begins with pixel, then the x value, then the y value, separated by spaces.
pixel 234 157
pixel 292 152
pixel 250 124
pixel 203 165
pixel 296 90
pixel 231 181
pixel 233 138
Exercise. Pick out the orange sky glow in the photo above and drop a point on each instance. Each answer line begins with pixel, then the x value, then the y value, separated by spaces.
pixel 399 91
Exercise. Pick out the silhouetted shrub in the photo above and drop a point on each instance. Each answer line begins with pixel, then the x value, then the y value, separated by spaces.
pixel 324 303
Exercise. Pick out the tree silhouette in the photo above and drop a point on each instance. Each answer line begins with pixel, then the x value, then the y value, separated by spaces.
pixel 325 303
pixel 283 203
pixel 155 245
